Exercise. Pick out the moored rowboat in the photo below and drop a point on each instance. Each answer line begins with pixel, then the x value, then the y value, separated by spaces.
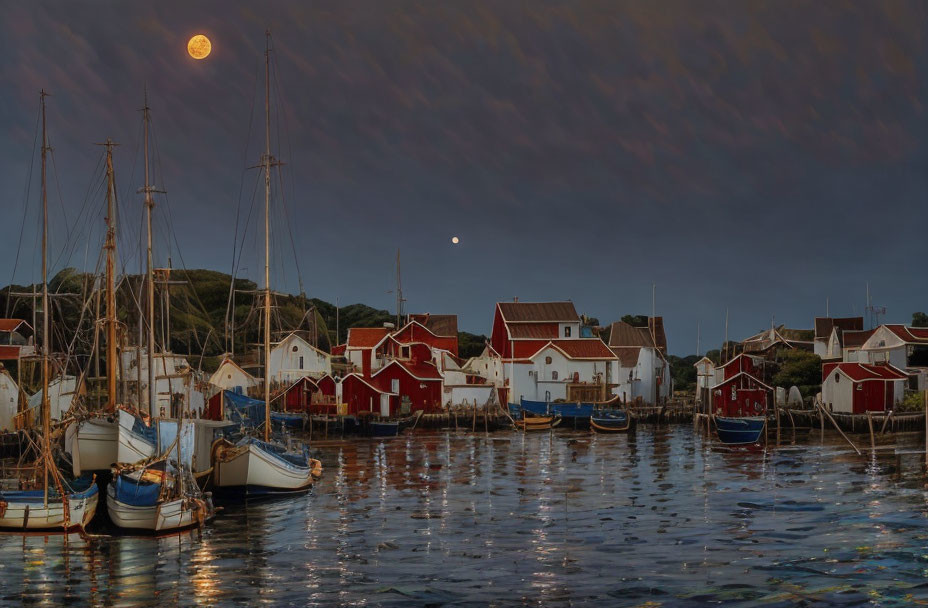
pixel 610 422
pixel 739 431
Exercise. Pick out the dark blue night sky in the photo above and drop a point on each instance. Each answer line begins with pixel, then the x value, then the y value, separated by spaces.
pixel 754 156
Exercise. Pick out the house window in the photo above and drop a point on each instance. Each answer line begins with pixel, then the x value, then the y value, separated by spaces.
pixel 567 331
pixel 859 387
pixel 301 361
pixel 554 375
pixel 395 385
pixel 404 352
pixel 547 360
pixel 295 348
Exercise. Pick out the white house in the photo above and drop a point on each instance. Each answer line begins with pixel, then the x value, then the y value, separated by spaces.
pixel 905 348
pixel 643 373
pixel 9 400
pixel 230 377
pixel 293 358
pixel 705 378
pixel 829 332
pixel 546 354
pixel 460 386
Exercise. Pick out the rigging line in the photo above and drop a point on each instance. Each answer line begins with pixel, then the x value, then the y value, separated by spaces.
pixel 64 212
pixel 26 192
pixel 238 208
pixel 80 222
pixel 282 118
pixel 123 227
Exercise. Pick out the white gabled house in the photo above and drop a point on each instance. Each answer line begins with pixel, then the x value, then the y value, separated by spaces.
pixel 230 377
pixel 643 374
pixel 293 358
pixel 904 348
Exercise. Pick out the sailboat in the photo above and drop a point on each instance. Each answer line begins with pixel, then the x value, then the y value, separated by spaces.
pixel 253 466
pixel 154 494
pixel 56 503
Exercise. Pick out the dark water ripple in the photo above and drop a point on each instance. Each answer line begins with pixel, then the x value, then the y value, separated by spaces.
pixel 660 518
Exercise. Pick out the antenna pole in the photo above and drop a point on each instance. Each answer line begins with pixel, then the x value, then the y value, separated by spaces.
pixel 46 414
pixel 267 233
pixel 399 291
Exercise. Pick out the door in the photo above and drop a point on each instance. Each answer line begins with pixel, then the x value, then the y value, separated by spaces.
pixel 385 405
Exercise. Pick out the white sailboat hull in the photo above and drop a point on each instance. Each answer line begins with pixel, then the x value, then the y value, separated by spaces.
pixel 252 470
pixel 97 445
pixel 131 447
pixel 33 515
pixel 163 517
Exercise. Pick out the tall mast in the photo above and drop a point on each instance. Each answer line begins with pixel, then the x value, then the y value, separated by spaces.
pixel 46 414
pixel 149 277
pixel 267 235
pixel 399 292
pixel 110 279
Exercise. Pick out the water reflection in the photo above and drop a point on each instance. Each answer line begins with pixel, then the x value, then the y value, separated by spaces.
pixel 660 516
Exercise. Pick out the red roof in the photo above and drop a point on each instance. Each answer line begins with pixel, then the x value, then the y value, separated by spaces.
pixel 12 324
pixel 339 349
pixel 365 337
pixel 909 334
pixel 861 372
pixel 526 349
pixel 419 370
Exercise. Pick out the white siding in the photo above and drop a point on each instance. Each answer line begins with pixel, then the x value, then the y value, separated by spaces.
pixel 287 356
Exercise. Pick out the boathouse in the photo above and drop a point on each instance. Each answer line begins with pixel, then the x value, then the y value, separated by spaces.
pixel 359 349
pixel 858 388
pixel 361 395
pixel 740 395
pixel 15 339
pixel 417 383
pixel 297 397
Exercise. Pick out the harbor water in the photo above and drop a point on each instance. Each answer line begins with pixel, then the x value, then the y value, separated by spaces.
pixel 663 517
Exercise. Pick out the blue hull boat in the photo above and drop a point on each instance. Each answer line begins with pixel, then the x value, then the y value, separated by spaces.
pixel 739 431
pixel 615 421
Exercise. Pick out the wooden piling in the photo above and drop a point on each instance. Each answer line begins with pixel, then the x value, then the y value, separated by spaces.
pixel 870 425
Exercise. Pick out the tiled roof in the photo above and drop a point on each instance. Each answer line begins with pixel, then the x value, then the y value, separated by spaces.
pixel 339 349
pixel 529 312
pixel 856 339
pixel 440 325
pixel 627 355
pixel 525 349
pixel 9 353
pixel 584 349
pixel 365 337
pixel 538 331
pixel 909 334
pixel 657 325
pixel 623 334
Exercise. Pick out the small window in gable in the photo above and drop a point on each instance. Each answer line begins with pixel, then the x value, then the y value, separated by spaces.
pixel 547 360
pixel 567 331
pixel 554 375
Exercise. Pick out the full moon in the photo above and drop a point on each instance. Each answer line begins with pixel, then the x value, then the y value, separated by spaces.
pixel 455 240
pixel 199 47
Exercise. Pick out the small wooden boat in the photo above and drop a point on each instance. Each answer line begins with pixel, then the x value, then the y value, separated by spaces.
pixel 153 500
pixel 610 422
pixel 739 431
pixel 537 423
pixel 31 510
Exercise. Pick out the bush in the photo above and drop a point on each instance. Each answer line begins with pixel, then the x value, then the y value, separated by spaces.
pixel 913 402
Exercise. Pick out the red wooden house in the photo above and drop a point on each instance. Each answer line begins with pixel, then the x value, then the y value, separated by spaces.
pixel 361 395
pixel 297 397
pixel 418 382
pixel 856 388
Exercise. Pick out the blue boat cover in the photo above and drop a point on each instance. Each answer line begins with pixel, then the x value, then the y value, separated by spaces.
pixel 565 410
pixel 136 493
pixel 243 410
pixel 38 496
pixel 144 431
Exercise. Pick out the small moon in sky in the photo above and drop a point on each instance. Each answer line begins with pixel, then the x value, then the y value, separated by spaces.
pixel 199 47
pixel 455 240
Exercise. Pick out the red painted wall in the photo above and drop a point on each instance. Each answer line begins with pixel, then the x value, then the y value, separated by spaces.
pixel 740 402
pixel 498 338
pixel 358 396
pixel 870 396
pixel 427 398
pixel 416 333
